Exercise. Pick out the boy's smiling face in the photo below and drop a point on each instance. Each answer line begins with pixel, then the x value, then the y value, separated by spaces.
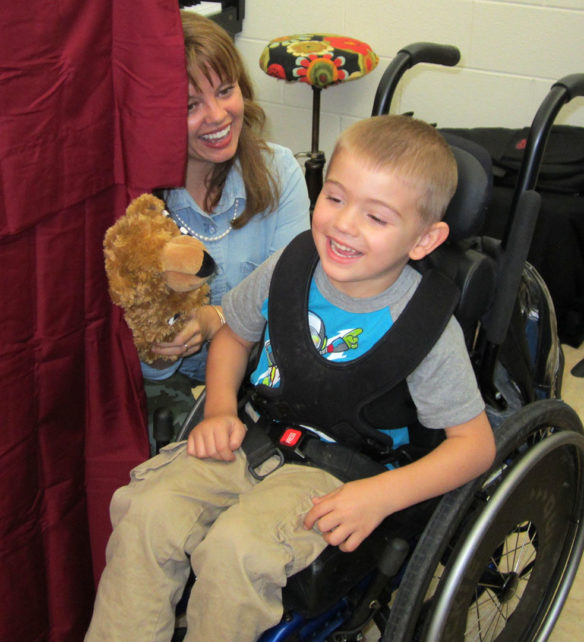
pixel 366 226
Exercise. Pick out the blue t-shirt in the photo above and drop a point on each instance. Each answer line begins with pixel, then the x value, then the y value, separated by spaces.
pixel 337 334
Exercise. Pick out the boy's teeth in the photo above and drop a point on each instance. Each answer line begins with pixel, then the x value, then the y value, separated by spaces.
pixel 342 249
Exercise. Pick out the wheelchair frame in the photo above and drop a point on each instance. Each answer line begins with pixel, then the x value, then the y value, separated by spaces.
pixel 509 542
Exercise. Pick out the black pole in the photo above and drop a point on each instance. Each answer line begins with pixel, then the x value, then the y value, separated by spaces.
pixel 315 118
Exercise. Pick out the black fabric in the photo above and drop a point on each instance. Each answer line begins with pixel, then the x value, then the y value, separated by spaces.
pixel 324 394
pixel 562 168
pixel 557 250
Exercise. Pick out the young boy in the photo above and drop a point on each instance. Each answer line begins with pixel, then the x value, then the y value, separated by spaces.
pixel 388 184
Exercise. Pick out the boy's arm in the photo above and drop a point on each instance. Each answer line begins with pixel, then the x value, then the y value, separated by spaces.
pixel 221 432
pixel 349 514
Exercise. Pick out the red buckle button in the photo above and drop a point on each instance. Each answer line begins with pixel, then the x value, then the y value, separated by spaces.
pixel 290 437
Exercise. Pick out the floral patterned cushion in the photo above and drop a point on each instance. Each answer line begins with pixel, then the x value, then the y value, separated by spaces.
pixel 318 59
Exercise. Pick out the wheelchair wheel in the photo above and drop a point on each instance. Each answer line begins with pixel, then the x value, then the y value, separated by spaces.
pixel 498 557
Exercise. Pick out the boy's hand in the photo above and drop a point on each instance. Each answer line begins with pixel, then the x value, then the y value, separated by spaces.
pixel 216 438
pixel 348 514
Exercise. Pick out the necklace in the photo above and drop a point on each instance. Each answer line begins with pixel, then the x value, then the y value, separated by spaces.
pixel 186 229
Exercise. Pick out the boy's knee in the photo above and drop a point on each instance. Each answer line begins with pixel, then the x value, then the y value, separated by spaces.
pixel 240 540
pixel 156 516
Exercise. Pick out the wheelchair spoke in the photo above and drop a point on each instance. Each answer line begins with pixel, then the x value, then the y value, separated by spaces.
pixel 486 618
pixel 520 554
pixel 484 627
pixel 502 584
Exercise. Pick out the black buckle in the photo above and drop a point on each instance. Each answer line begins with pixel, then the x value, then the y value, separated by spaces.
pixel 267 438
pixel 275 452
pixel 258 448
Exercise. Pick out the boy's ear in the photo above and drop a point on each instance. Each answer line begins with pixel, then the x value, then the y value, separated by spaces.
pixel 434 236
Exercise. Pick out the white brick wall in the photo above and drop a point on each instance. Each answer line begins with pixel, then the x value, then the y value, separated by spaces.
pixel 512 52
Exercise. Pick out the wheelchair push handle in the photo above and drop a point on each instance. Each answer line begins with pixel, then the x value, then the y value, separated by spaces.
pixel 573 84
pixel 433 53
pixel 406 58
pixel 561 93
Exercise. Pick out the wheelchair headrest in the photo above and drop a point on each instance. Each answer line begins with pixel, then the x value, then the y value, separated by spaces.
pixel 466 213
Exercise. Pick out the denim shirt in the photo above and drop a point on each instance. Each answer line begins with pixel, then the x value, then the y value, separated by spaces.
pixel 240 251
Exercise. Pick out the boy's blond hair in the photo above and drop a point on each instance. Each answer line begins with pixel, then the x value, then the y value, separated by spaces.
pixel 410 148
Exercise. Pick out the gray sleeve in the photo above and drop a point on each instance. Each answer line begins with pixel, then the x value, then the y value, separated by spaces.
pixel 242 306
pixel 444 387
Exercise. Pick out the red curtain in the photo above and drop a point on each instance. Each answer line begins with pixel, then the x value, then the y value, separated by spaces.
pixel 92 113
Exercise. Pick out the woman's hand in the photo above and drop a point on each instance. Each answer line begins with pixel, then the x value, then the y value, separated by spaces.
pixel 201 326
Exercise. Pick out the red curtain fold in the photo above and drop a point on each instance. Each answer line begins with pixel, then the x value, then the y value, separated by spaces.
pixel 92 113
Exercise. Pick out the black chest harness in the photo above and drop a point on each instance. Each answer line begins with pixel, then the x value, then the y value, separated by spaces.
pixel 351 401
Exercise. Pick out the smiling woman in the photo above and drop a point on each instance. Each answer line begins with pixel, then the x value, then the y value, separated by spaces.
pixel 215 118
pixel 242 197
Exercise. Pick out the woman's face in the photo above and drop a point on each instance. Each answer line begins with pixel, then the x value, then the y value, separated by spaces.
pixel 215 119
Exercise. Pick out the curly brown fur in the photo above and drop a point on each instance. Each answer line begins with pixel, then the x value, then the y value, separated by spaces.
pixel 133 247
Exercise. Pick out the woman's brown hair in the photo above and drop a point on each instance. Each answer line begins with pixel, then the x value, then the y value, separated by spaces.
pixel 209 48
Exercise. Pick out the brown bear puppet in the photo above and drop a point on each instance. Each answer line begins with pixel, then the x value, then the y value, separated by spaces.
pixel 155 274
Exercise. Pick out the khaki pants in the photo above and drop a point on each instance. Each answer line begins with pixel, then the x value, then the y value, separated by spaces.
pixel 244 538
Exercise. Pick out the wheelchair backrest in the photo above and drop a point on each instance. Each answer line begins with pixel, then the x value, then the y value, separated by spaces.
pixel 471 269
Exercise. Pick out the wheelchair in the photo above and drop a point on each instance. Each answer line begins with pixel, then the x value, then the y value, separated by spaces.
pixel 495 558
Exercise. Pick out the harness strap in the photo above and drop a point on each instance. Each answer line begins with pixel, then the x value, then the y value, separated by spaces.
pixel 294 444
pixel 258 447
